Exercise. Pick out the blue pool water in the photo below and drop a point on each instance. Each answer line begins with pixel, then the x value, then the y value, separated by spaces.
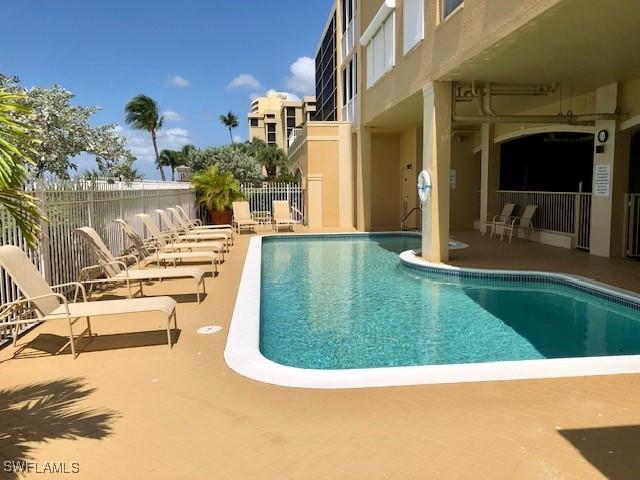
pixel 349 303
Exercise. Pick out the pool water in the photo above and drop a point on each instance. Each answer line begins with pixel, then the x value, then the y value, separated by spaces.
pixel 347 302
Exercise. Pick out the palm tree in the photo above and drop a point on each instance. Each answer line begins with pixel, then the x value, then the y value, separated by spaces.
pixel 142 114
pixel 216 191
pixel 173 159
pixel 230 120
pixel 14 158
pixel 272 158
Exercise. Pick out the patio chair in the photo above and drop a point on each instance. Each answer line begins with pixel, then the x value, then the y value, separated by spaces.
pixel 282 215
pixel 180 214
pixel 501 219
pixel 40 298
pixel 242 217
pixel 167 243
pixel 523 222
pixel 117 271
pixel 196 236
pixel 186 226
pixel 150 251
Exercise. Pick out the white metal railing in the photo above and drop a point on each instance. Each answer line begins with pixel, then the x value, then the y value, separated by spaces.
pixel 349 111
pixel 295 133
pixel 632 224
pixel 562 212
pixel 349 37
pixel 261 198
pixel 70 204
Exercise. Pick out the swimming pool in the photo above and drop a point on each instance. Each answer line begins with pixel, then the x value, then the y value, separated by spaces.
pixel 335 306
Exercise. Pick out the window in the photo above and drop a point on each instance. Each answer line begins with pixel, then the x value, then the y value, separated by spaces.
pixel 448 7
pixel 253 122
pixel 271 115
pixel 381 50
pixel 348 12
pixel 271 133
pixel 412 24
pixel 291 111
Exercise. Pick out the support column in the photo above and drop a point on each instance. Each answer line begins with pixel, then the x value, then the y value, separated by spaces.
pixel 345 175
pixel 314 201
pixel 436 159
pixel 610 179
pixel 489 174
pixel 363 179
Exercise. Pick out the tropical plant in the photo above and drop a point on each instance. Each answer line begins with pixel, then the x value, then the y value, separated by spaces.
pixel 230 120
pixel 216 190
pixel 172 159
pixel 272 158
pixel 142 114
pixel 15 137
pixel 230 159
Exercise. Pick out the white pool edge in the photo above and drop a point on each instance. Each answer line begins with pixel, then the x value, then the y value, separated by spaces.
pixel 242 351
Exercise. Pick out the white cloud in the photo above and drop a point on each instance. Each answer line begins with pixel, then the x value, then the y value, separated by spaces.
pixel 303 76
pixel 139 142
pixel 178 81
pixel 238 139
pixel 172 116
pixel 245 80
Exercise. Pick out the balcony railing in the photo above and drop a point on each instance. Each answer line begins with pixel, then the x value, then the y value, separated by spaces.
pixel 350 37
pixel 295 134
pixel 349 112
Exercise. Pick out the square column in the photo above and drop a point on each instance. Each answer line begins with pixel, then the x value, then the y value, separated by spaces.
pixel 314 201
pixel 489 174
pixel 610 179
pixel 363 179
pixel 436 159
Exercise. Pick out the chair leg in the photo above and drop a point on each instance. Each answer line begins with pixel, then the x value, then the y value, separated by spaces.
pixel 89 325
pixel 71 340
pixel 198 290
pixel 169 331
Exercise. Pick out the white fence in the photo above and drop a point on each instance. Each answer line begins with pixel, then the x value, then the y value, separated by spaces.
pixel 632 214
pixel 562 212
pixel 261 198
pixel 72 204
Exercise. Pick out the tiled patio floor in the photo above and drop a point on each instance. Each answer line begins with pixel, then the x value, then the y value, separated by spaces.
pixel 148 412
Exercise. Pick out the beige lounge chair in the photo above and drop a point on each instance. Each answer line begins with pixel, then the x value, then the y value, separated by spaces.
pixel 282 215
pixel 523 223
pixel 242 217
pixel 500 220
pixel 185 226
pixel 181 216
pixel 167 243
pixel 150 252
pixel 117 271
pixel 194 236
pixel 48 305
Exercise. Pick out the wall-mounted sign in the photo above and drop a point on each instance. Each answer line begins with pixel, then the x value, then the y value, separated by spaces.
pixel 453 179
pixel 601 180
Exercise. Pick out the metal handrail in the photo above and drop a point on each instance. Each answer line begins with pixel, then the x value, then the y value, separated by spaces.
pixel 402 226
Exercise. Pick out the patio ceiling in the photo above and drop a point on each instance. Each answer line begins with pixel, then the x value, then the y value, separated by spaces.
pixel 585 43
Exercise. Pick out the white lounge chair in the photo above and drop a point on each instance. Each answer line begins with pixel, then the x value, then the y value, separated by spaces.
pixel 117 271
pixel 167 242
pixel 500 220
pixel 186 226
pixel 242 218
pixel 48 305
pixel 183 219
pixel 282 215
pixel 517 223
pixel 193 235
pixel 150 252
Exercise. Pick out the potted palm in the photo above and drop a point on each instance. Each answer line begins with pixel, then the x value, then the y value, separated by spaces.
pixel 216 191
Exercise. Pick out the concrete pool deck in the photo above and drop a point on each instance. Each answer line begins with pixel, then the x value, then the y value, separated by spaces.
pixel 148 412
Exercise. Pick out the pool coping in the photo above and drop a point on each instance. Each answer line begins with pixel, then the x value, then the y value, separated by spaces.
pixel 242 351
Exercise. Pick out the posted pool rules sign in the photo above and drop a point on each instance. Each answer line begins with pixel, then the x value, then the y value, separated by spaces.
pixel 602 180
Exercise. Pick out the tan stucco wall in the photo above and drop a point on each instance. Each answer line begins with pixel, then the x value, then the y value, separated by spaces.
pixel 464 197
pixel 385 181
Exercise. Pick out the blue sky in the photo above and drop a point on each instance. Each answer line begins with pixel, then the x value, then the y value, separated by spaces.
pixel 185 54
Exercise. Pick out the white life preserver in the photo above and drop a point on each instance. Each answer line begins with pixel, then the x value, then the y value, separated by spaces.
pixel 424 186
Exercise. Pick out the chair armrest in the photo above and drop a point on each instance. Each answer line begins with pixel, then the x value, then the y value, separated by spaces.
pixel 78 286
pixel 101 268
pixel 128 257
pixel 8 307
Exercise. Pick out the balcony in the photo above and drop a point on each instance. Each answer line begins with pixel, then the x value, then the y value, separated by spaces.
pixel 350 37
pixel 349 112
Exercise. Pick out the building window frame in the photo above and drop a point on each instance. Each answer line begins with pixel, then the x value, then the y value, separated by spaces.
pixel 444 15
pixel 410 42
pixel 381 47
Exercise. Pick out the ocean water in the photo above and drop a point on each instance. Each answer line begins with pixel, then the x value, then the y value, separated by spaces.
pixel 347 302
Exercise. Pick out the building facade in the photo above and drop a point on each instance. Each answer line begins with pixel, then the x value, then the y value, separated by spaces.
pixel 274 117
pixel 534 102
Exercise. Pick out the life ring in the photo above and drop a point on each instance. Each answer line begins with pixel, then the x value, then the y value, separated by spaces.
pixel 424 186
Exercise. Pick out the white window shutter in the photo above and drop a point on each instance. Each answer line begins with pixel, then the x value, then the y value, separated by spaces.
pixel 413 24
pixel 370 79
pixel 389 42
pixel 378 55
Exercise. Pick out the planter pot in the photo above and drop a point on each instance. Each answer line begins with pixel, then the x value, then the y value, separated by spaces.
pixel 221 218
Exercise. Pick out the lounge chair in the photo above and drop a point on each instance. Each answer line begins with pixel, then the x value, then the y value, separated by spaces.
pixel 195 236
pixel 282 215
pixel 242 217
pixel 117 270
pixel 501 219
pixel 167 243
pixel 150 252
pixel 182 217
pixel 517 223
pixel 42 299
pixel 186 226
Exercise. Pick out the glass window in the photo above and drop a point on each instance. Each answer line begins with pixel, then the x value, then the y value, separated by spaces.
pixel 381 51
pixel 448 6
pixel 412 24
pixel 254 122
